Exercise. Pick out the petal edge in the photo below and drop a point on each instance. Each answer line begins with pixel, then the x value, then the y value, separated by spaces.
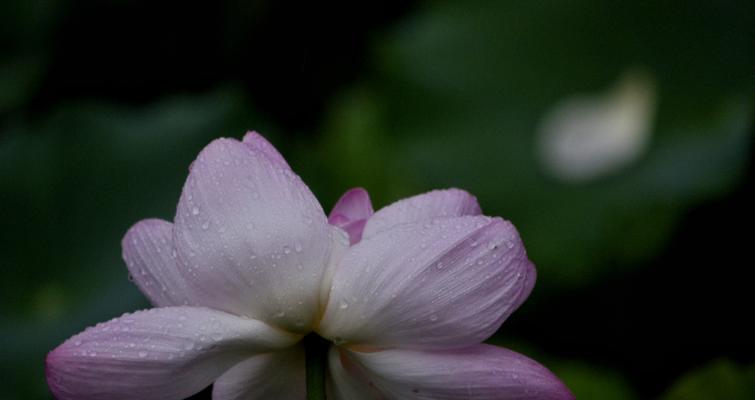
pixel 480 372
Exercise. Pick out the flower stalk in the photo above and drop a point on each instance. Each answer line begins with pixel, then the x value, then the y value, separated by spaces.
pixel 316 353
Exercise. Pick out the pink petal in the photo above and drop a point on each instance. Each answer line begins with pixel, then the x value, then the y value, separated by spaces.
pixel 351 213
pixel 149 255
pixel 430 205
pixel 278 375
pixel 480 372
pixel 163 353
pixel 258 142
pixel 251 238
pixel 436 284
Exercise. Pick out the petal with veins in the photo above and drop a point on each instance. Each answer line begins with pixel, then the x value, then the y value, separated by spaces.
pixel 430 205
pixel 251 238
pixel 163 353
pixel 351 213
pixel 436 284
pixel 480 372
pixel 150 258
pixel 347 380
pixel 278 375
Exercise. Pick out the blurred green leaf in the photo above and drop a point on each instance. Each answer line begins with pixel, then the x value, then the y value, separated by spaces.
pixel 590 382
pixel 19 79
pixel 586 381
pixel 76 181
pixel 460 88
pixel 719 379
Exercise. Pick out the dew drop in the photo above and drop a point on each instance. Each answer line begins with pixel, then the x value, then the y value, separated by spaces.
pixel 142 354
pixel 195 211
pixel 343 305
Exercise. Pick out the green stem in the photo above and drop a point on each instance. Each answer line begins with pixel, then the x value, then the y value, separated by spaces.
pixel 316 353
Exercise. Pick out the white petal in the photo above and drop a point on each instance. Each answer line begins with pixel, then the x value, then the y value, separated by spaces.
pixel 251 238
pixel 426 206
pixel 279 375
pixel 163 353
pixel 340 245
pixel 347 380
pixel 149 254
pixel 436 284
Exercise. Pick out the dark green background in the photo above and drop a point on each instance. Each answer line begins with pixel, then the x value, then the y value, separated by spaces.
pixel 641 291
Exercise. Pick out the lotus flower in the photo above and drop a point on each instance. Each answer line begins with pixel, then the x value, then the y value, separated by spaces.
pixel 251 265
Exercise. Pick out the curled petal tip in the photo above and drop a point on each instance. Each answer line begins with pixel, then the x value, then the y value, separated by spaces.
pixel 351 213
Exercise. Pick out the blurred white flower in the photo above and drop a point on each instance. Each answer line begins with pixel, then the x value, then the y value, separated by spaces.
pixel 585 137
